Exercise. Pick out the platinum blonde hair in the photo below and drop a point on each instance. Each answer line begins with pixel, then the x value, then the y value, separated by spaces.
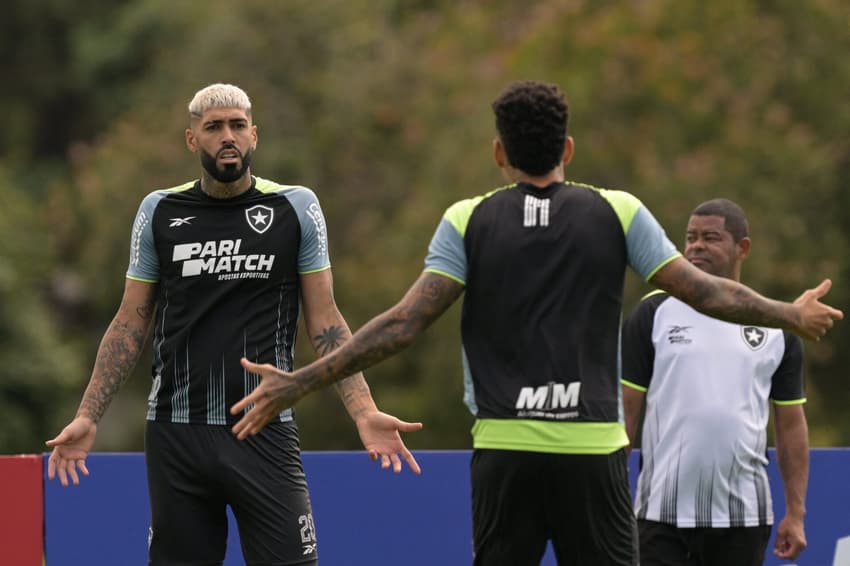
pixel 219 95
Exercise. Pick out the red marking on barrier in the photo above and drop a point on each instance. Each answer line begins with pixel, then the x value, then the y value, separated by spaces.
pixel 22 515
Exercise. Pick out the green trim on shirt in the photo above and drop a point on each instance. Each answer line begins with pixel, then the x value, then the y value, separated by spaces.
pixel 549 437
pixel 786 403
pixel 325 268
pixel 662 264
pixel 444 274
pixel 634 386
pixel 143 280
pixel 266 186
pixel 184 187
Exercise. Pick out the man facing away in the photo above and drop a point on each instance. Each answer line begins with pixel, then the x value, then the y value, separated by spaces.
pixel 703 495
pixel 542 264
pixel 223 265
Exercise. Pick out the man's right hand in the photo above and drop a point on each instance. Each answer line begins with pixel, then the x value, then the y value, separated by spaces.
pixel 70 449
pixel 816 318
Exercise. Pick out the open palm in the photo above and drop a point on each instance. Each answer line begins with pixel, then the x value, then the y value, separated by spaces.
pixel 70 450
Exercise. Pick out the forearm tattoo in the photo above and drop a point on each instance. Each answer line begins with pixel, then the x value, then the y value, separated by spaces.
pixel 145 311
pixel 329 340
pixel 116 358
pixel 729 300
pixel 353 390
pixel 391 331
pixel 355 395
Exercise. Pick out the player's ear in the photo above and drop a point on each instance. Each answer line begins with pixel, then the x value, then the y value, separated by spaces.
pixel 499 154
pixel 569 149
pixel 191 142
pixel 743 247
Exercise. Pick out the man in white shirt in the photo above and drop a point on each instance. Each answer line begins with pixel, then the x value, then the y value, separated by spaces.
pixel 703 494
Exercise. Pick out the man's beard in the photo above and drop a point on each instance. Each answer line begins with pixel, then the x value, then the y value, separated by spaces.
pixel 231 171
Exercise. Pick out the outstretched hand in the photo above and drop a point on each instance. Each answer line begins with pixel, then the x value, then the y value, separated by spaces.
pixel 379 433
pixel 70 449
pixel 276 392
pixel 816 318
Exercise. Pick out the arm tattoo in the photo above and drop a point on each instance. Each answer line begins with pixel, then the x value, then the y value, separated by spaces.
pixel 119 350
pixel 389 332
pixel 329 339
pixel 353 390
pixel 355 395
pixel 146 311
pixel 731 301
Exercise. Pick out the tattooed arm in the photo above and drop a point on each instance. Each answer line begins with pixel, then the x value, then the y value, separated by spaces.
pixel 429 297
pixel 328 331
pixel 731 301
pixel 119 350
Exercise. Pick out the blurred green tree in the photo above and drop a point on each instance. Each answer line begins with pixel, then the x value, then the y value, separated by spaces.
pixel 383 108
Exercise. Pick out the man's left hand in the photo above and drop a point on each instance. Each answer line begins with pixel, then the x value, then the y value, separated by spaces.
pixel 379 433
pixel 277 391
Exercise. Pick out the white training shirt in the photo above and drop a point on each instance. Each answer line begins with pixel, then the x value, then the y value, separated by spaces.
pixel 708 385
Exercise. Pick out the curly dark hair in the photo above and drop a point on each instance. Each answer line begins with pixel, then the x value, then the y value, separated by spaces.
pixel 531 118
pixel 734 218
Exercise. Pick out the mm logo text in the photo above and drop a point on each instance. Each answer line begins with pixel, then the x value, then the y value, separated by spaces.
pixel 546 400
pixel 551 396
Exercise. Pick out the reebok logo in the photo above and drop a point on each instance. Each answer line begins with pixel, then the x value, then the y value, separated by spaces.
pixel 222 258
pixel 180 221
pixel 308 533
pixel 678 335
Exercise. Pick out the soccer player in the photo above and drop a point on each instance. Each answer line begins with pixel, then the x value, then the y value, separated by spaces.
pixel 223 265
pixel 542 264
pixel 703 495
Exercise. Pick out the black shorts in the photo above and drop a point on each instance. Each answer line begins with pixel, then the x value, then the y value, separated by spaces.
pixel 662 545
pixel 195 471
pixel 582 503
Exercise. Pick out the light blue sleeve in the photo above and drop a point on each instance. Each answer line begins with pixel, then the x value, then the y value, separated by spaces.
pixel 648 246
pixel 446 253
pixel 144 261
pixel 313 254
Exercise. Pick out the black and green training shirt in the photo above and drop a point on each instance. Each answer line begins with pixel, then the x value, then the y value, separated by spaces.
pixel 544 270
pixel 228 286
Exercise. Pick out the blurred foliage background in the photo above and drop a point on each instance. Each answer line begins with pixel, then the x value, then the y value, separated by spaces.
pixel 382 107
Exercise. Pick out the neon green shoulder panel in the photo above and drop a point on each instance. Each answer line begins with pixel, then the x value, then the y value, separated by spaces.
pixel 183 187
pixel 459 213
pixel 266 186
pixel 625 204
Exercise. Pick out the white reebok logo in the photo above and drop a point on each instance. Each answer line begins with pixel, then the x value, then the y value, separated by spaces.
pixel 180 221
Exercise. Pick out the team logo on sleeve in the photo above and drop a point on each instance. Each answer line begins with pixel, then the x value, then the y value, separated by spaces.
pixel 259 218
pixel 754 337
